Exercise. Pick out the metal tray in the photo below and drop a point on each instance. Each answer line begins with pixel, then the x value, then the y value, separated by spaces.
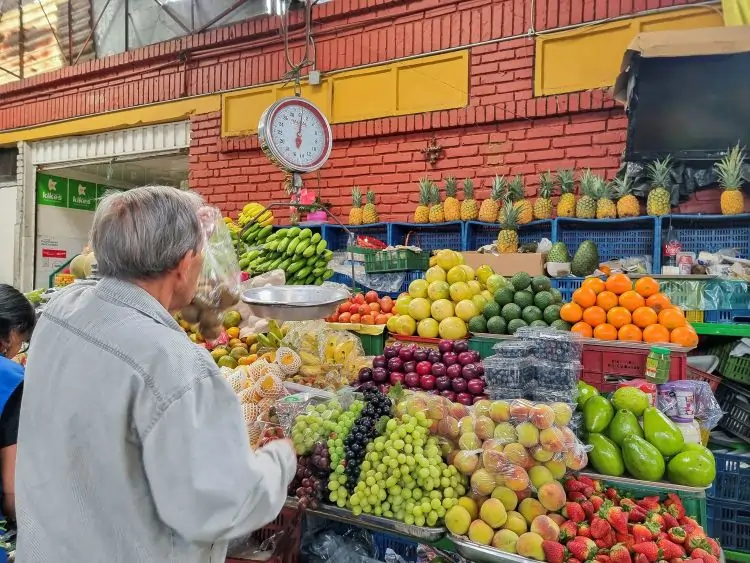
pixel 478 553
pixel 294 303
pixel 697 491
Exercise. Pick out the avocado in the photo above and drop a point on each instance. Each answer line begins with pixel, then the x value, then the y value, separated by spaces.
pixel 586 260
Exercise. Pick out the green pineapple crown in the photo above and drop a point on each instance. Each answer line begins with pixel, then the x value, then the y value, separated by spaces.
pixel 588 181
pixel 623 185
pixel 425 189
pixel 498 189
pixel 729 169
pixel 435 193
pixel 356 197
pixel 516 189
pixel 659 172
pixel 451 186
pixel 468 189
pixel 371 197
pixel 603 188
pixel 546 185
pixel 509 217
pixel 566 180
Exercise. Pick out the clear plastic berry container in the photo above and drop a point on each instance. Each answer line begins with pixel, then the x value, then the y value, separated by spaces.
pixel 508 372
pixel 560 376
pixel 507 393
pixel 514 349
pixel 553 345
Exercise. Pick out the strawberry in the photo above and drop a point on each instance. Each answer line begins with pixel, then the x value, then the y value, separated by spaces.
pixel 615 516
pixel 649 503
pixel 607 541
pixel 670 550
pixel 657 519
pixel 589 482
pixel 572 560
pixel 626 539
pixel 574 511
pixel 669 520
pixel 674 505
pixel 637 514
pixel 701 553
pixel 554 552
pixel 620 554
pixel 588 492
pixel 602 558
pixel 627 503
pixel 642 533
pixel 599 527
pixel 713 547
pixel 597 501
pixel 612 495
pixel 568 530
pixel 649 549
pixel 676 534
pixel 582 548
pixel 573 485
pixel 690 525
pixel 576 496
pixel 584 530
pixel 640 558
pixel 693 540
pixel 588 509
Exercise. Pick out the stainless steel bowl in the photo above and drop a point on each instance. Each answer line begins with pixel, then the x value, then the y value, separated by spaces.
pixel 295 302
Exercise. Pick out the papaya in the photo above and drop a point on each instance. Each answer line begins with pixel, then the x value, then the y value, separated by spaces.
pixel 642 459
pixel 623 424
pixel 659 430
pixel 605 456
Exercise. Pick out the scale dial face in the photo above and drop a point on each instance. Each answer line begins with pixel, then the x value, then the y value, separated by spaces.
pixel 297 135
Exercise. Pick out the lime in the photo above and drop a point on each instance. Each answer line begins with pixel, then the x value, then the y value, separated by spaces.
pixel 540 283
pixel 478 324
pixel 523 299
pixel 231 319
pixel 556 295
pixel 227 362
pixel 520 281
pixel 560 324
pixel 490 310
pixel 504 296
pixel 539 324
pixel 495 282
pixel 441 309
pixel 515 324
pixel 552 313
pixel 511 311
pixel 531 314
pixel 496 325
pixel 543 299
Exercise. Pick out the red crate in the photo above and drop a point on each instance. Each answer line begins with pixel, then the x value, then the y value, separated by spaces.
pixel 288 548
pixel 604 366
pixel 698 375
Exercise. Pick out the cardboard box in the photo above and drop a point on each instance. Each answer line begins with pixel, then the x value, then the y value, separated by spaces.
pixel 507 264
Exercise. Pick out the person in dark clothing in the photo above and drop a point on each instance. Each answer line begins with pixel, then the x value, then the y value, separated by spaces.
pixel 17 319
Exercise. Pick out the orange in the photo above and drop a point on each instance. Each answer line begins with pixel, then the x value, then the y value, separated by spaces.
pixel 606 300
pixel 596 284
pixel 618 317
pixel 672 318
pixel 584 296
pixel 571 312
pixel 631 333
pixel 619 284
pixel 605 332
pixel 647 286
pixel 658 301
pixel 644 316
pixel 684 336
pixel 594 316
pixel 631 300
pixel 582 328
pixel 655 333
pixel 233 332
pixel 606 270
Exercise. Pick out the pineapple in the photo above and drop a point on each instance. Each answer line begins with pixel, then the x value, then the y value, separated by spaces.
pixel 452 206
pixel 659 201
pixel 507 238
pixel 355 213
pixel 729 171
pixel 605 207
pixel 517 196
pixel 370 214
pixel 436 207
pixel 566 207
pixel 488 212
pixel 543 204
pixel 469 207
pixel 422 212
pixel 627 203
pixel 586 206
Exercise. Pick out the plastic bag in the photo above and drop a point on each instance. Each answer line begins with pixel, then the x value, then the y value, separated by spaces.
pixel 553 345
pixel 328 546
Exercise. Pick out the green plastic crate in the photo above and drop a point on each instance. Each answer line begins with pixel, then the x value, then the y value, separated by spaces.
pixel 373 344
pixel 483 343
pixel 737 556
pixel 399 260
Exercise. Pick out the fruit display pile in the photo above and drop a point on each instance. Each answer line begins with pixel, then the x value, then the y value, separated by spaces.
pixel 650 450
pixel 368 309
pixel 619 309
pixel 301 254
pixel 519 302
pixel 452 370
pixel 252 227
pixel 594 523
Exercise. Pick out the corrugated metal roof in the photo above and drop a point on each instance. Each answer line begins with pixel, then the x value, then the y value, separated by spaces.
pixel 41 51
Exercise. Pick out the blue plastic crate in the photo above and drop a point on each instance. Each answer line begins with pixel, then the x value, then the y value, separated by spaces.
pixel 708 232
pixel 429 237
pixel 615 238
pixel 338 239
pixel 408 278
pixel 729 523
pixel 566 286
pixel 479 234
pixel 727 316
pixel 732 483
pixel 403 547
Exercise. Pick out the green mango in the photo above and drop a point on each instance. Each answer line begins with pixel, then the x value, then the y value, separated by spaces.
pixel 630 398
pixel 662 432
pixel 692 468
pixel 597 414
pixel 642 459
pixel 623 424
pixel 605 457
pixel 585 392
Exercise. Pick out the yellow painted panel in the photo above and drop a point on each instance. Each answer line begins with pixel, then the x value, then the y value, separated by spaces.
pixel 430 85
pixel 319 95
pixel 241 111
pixel 590 57
pixel 364 94
pixel 145 115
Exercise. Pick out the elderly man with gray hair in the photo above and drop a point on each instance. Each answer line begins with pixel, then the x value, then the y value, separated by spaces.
pixel 132 446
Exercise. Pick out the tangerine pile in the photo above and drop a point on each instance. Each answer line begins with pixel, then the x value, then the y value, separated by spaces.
pixel 617 309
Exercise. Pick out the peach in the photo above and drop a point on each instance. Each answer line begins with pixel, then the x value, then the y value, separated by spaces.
pixel 482 482
pixel 458 520
pixel 540 454
pixel 469 441
pixel 484 427
pixel 516 523
pixel 542 416
pixel 506 433
pixel 530 508
pixel 480 532
pixel 482 408
pixel 551 439
pixel 569 439
pixel 506 496
pixel 466 462
pixel 517 454
pixel 557 468
pixel 539 476
pixel 505 540
pixel 493 459
pixel 458 411
pixel 470 505
pixel 493 513
pixel 563 413
pixel 519 409
pixel 516 478
pixel 500 411
pixel 528 434
pixel 552 496
pixel 448 427
pixel 545 527
pixel 526 493
pixel 466 425
pixel 558 518
pixel 437 408
pixel 576 458
pixel 530 545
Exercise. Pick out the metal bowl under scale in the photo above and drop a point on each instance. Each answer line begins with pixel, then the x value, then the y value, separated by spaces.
pixel 294 302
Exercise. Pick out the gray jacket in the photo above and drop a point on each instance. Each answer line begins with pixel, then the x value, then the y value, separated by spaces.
pixel 132 447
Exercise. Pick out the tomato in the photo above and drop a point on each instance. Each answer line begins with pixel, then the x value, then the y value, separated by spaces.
pixel 381 319
pixel 345 317
pixel 334 318
pixel 344 307
pixel 364 310
pixel 359 298
pixel 353 308
pixel 386 304
pixel 368 320
pixel 355 318
pixel 375 307
pixel 371 296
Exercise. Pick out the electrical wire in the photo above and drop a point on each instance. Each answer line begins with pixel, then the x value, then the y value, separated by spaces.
pixel 295 68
